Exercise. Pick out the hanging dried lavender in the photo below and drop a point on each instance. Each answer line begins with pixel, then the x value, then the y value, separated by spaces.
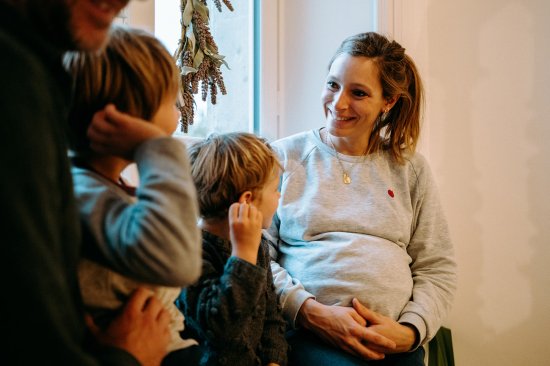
pixel 197 57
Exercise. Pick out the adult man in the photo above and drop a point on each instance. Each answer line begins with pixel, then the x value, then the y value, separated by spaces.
pixel 42 315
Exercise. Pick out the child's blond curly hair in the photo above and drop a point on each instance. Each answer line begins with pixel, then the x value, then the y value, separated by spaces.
pixel 224 166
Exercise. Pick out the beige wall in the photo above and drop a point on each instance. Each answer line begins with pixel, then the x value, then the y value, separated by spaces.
pixel 486 69
pixel 141 14
pixel 309 33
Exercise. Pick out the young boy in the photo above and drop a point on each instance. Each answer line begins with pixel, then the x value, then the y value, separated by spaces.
pixel 233 307
pixel 147 235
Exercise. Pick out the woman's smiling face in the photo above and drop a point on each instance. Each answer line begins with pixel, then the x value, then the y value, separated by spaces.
pixel 352 98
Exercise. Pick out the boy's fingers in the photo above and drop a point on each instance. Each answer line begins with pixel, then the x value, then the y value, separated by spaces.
pixel 94 329
pixel 154 307
pixel 100 128
pixel 234 211
pixel 115 117
pixel 163 317
pixel 138 300
pixel 243 210
pixel 112 115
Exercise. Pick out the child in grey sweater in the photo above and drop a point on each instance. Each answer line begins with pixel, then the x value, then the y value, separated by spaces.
pixel 134 237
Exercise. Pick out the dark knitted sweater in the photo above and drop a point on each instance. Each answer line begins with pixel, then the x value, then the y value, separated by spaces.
pixel 233 308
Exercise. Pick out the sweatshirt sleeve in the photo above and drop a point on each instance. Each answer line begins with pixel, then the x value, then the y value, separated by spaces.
pixel 274 345
pixel 154 239
pixel 290 291
pixel 433 265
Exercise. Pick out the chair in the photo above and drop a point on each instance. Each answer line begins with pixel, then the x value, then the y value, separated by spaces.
pixel 440 349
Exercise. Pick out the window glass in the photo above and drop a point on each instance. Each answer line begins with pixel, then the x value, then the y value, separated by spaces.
pixel 233 34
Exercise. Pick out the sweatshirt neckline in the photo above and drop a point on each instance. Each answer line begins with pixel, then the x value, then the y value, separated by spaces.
pixel 327 149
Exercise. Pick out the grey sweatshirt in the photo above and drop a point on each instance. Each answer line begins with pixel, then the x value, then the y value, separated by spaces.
pixel 382 239
pixel 150 240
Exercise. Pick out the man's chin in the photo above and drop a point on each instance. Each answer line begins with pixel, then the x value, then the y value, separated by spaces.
pixel 91 22
pixel 90 41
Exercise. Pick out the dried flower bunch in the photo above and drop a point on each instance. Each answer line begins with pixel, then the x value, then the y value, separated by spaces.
pixel 197 57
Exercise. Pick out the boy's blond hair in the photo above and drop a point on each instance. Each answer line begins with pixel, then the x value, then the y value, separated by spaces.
pixel 134 71
pixel 224 166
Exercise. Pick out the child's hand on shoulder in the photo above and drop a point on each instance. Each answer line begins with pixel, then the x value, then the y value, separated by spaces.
pixel 245 231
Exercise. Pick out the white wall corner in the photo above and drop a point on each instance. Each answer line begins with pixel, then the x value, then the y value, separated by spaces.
pixel 270 54
pixel 384 17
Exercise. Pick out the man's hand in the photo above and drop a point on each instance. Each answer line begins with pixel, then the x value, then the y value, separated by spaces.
pixel 245 231
pixel 141 329
pixel 344 328
pixel 116 133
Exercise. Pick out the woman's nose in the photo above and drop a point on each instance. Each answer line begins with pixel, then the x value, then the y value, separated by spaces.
pixel 340 101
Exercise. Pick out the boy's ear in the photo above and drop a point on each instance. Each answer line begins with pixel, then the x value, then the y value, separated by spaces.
pixel 246 197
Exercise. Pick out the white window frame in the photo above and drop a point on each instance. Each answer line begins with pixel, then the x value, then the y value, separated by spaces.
pixel 388 21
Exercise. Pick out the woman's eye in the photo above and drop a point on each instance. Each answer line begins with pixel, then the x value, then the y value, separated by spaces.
pixel 359 93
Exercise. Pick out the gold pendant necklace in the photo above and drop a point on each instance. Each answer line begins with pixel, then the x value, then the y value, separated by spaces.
pixel 346 177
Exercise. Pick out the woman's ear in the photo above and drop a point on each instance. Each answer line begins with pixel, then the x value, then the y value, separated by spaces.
pixel 390 102
pixel 246 197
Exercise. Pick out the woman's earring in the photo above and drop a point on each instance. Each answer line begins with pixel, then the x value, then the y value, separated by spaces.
pixel 384 115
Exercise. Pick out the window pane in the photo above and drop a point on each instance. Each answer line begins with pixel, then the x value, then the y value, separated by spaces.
pixel 232 32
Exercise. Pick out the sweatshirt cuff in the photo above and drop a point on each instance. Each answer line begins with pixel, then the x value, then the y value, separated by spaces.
pixel 416 321
pixel 293 305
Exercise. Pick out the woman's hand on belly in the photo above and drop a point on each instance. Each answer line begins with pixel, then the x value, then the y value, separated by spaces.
pixel 403 336
pixel 344 328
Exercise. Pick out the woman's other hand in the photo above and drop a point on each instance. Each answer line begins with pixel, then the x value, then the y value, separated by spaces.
pixel 344 328
pixel 403 336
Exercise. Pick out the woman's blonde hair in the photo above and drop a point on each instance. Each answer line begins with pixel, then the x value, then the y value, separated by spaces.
pixel 224 166
pixel 400 129
pixel 134 71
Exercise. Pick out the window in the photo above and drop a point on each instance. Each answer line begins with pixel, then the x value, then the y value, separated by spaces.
pixel 277 51
pixel 233 33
